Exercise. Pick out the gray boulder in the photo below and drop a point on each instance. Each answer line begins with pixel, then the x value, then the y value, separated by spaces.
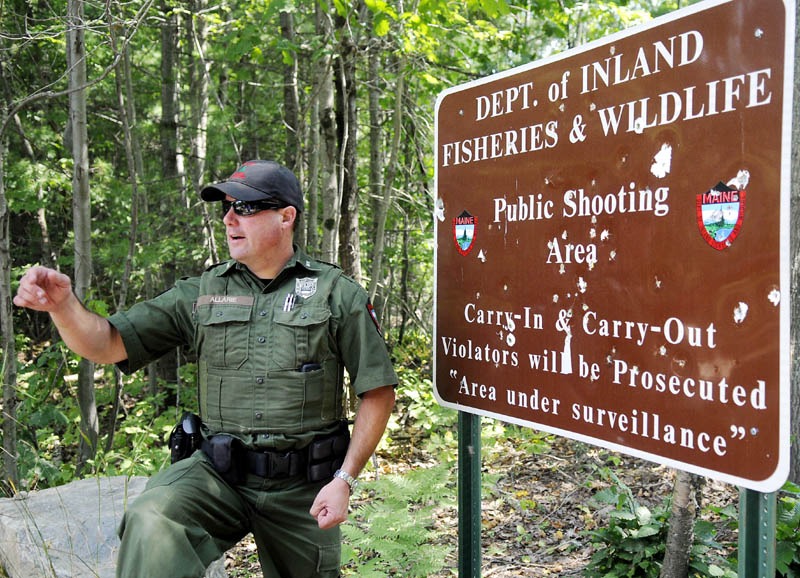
pixel 69 531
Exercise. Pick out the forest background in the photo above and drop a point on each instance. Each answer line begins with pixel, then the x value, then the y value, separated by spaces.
pixel 114 113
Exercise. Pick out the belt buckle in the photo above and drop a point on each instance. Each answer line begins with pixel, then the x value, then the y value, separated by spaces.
pixel 279 464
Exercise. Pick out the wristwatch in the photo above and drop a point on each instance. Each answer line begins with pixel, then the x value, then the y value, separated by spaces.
pixel 343 475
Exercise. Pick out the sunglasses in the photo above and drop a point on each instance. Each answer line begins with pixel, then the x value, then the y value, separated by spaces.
pixel 247 208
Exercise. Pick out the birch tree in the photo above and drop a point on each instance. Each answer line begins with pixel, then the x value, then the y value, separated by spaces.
pixel 385 201
pixel 173 174
pixel 196 30
pixel 81 214
pixel 171 160
pixel 292 117
pixel 127 116
pixel 681 525
pixel 795 271
pixel 329 182
pixel 347 121
pixel 311 236
pixel 8 362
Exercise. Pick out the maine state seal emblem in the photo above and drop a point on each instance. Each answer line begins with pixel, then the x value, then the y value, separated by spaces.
pixel 464 232
pixel 720 212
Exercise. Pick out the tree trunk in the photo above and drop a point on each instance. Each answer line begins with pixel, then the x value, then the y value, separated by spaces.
pixel 291 100
pixel 8 362
pixel 681 525
pixel 292 118
pixel 375 85
pixel 386 199
pixel 404 284
pixel 168 128
pixel 331 196
pixel 172 175
pixel 347 116
pixel 794 244
pixel 124 110
pixel 81 214
pixel 311 236
pixel 197 33
pixel 48 259
pixel 127 116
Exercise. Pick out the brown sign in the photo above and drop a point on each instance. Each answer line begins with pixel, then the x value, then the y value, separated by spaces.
pixel 612 237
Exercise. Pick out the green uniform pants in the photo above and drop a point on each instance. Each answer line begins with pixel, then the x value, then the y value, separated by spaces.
pixel 187 517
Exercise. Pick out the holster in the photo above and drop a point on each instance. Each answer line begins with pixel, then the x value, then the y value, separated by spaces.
pixel 186 437
pixel 228 456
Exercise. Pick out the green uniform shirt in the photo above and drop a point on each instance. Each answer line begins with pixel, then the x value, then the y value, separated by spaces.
pixel 270 357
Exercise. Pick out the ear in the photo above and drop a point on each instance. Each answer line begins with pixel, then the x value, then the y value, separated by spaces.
pixel 289 215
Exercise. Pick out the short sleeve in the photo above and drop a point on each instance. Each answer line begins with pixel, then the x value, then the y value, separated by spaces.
pixel 151 328
pixel 359 339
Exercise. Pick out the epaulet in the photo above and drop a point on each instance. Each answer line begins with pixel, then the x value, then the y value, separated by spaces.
pixel 216 265
pixel 320 262
pixel 334 265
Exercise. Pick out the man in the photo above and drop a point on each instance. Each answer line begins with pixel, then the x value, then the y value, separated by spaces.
pixel 273 330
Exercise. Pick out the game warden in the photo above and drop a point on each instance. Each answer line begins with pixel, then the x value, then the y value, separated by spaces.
pixel 273 330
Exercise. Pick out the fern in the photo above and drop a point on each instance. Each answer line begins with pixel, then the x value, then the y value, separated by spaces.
pixel 392 533
pixel 787 554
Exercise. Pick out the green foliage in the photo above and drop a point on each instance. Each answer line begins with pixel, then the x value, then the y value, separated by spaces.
pixel 787 531
pixel 704 557
pixel 787 548
pixel 48 417
pixel 392 534
pixel 528 440
pixel 415 393
pixel 48 408
pixel 633 543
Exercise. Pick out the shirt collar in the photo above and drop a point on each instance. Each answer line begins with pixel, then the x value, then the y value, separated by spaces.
pixel 298 259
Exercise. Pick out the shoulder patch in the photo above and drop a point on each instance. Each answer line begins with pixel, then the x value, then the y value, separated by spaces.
pixel 371 311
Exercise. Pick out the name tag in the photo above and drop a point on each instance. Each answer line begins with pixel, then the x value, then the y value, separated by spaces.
pixel 245 300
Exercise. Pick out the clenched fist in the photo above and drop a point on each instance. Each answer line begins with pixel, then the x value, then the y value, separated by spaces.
pixel 43 289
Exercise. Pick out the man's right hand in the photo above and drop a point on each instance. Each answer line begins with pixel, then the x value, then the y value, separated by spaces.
pixel 87 334
pixel 43 289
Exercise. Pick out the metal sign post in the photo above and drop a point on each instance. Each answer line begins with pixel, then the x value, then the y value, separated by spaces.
pixel 469 495
pixel 756 534
pixel 612 244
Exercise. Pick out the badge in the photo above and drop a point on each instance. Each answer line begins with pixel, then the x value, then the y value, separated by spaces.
pixel 464 232
pixel 720 212
pixel 306 287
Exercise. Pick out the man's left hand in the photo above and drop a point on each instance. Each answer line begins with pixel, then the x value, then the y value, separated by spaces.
pixel 331 504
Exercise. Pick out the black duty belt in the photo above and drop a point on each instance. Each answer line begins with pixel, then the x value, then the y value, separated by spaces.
pixel 317 461
pixel 272 464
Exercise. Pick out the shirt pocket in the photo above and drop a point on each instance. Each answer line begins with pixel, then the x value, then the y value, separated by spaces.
pixel 299 336
pixel 225 334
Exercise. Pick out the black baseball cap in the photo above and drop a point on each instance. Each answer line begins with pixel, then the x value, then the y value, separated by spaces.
pixel 257 180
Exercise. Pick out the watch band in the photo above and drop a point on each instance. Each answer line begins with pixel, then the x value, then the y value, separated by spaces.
pixel 343 475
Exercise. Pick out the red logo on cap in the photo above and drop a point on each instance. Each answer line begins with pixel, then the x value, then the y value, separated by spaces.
pixel 239 174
